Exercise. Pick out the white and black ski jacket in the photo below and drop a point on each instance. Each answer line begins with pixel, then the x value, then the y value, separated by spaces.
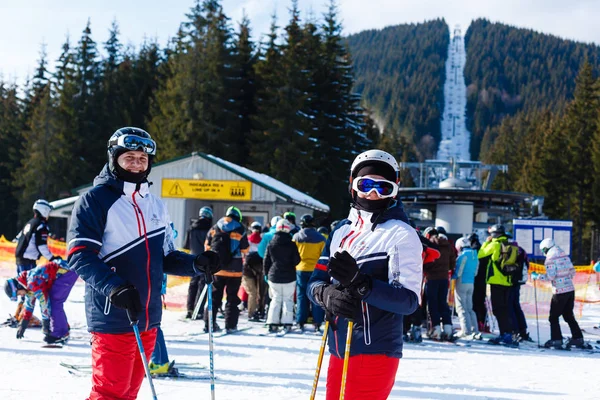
pixel 390 253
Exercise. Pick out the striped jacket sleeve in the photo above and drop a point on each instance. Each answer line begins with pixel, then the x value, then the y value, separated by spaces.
pixel 84 238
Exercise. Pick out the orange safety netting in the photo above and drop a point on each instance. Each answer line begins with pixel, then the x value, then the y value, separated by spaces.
pixel 7 249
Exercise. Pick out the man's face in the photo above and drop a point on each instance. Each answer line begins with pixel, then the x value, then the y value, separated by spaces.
pixel 133 161
pixel 21 292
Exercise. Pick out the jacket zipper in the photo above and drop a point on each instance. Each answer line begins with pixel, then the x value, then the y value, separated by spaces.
pixel 137 208
pixel 107 303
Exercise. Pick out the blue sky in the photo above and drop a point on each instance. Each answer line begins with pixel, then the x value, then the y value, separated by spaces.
pixel 28 23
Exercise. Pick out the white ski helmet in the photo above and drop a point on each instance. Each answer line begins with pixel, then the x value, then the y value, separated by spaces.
pixel 43 207
pixel 275 219
pixel 546 245
pixel 370 156
pixel 462 243
pixel 283 225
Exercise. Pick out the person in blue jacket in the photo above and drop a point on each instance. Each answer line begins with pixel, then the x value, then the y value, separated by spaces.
pixel 120 242
pixel 370 272
pixel 467 265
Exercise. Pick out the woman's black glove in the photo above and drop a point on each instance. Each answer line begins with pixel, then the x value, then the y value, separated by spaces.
pixel 334 299
pixel 342 267
pixel 127 298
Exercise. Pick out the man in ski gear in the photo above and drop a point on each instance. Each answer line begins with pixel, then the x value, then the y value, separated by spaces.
pixel 228 239
pixel 50 285
pixel 310 245
pixel 120 242
pixel 519 278
pixel 500 283
pixel 279 269
pixel 464 274
pixel 370 272
pixel 480 285
pixel 194 242
pixel 560 272
pixel 32 241
pixel 436 288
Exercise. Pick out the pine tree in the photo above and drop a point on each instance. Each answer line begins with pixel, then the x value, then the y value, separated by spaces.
pixel 243 90
pixel 11 127
pixel 580 123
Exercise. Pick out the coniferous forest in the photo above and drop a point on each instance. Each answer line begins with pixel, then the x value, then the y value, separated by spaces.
pixel 283 106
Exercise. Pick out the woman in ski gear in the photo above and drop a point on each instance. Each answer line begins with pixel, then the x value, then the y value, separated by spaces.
pixel 467 265
pixel 436 288
pixel 120 242
pixel 279 266
pixel 560 272
pixel 370 272
pixel 50 285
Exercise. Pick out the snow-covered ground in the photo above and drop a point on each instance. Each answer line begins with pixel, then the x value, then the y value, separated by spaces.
pixel 249 366
pixel 455 137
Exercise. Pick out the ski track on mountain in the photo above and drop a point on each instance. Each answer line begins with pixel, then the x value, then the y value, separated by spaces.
pixel 455 137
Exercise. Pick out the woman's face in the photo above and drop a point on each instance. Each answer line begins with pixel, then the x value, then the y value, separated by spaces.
pixel 373 195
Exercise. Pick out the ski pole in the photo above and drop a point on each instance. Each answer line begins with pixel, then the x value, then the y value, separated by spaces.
pixel 537 322
pixel 319 362
pixel 199 303
pixel 346 359
pixel 208 287
pixel 138 339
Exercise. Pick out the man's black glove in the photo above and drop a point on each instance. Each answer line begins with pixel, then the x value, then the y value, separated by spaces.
pixel 336 300
pixel 207 262
pixel 127 298
pixel 46 326
pixel 22 328
pixel 342 267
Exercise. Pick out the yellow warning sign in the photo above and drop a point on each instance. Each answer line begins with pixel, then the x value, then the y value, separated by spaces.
pixel 207 190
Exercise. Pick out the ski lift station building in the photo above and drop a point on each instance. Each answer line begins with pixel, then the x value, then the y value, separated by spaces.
pixel 191 182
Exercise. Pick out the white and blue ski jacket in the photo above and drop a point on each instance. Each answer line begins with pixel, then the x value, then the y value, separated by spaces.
pixel 120 233
pixel 389 252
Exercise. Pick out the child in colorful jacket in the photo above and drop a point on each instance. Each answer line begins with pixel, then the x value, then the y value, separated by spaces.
pixel 50 285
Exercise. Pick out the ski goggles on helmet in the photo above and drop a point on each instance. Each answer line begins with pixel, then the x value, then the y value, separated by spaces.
pixel 135 143
pixel 382 187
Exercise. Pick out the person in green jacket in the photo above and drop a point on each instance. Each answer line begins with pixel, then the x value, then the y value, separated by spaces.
pixel 500 284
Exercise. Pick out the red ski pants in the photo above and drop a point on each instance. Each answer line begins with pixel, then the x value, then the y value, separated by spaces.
pixel 117 369
pixel 370 376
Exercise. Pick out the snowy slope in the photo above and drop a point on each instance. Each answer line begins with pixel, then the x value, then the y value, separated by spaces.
pixel 455 137
pixel 255 367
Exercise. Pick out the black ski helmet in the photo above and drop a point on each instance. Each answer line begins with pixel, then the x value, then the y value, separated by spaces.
pixel 130 139
pixel 497 231
pixel 306 220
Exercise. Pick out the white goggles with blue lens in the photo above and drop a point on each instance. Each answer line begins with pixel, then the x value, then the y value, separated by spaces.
pixel 135 143
pixel 382 187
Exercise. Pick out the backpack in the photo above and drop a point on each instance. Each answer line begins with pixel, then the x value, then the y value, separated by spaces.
pixel 221 244
pixel 522 271
pixel 508 259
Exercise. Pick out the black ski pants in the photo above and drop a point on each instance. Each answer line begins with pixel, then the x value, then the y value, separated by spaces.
pixel 500 297
pixel 194 291
pixel 479 291
pixel 231 309
pixel 563 304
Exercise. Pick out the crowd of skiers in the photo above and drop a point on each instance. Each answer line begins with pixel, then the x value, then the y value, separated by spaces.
pixel 360 278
